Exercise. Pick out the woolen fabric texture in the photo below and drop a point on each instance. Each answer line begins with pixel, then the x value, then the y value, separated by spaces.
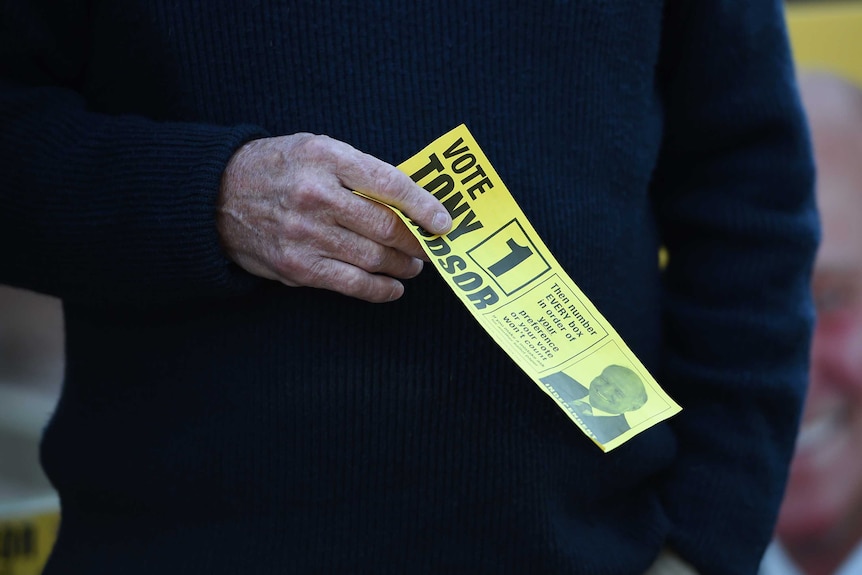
pixel 216 423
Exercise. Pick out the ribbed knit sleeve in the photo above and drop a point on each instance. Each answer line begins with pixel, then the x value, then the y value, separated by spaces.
pixel 97 208
pixel 734 191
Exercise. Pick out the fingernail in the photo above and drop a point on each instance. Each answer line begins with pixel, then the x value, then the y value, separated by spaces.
pixel 441 222
pixel 397 292
pixel 418 265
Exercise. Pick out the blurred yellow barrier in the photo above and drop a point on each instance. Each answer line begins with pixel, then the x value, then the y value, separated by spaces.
pixel 27 533
pixel 827 36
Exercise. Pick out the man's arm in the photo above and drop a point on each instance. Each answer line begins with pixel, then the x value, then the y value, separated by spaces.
pixel 734 194
pixel 121 209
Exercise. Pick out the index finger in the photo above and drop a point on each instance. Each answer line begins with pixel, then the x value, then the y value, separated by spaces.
pixel 387 184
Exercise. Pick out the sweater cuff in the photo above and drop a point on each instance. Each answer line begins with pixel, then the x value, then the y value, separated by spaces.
pixel 122 210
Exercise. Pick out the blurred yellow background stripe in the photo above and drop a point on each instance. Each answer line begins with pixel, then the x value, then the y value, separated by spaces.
pixel 827 36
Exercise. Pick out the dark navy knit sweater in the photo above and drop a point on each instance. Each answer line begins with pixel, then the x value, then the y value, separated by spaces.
pixel 215 423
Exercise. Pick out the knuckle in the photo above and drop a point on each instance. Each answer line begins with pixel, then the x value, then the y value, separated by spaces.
pixel 296 266
pixel 350 281
pixel 315 272
pixel 286 268
pixel 307 193
pixel 355 284
pixel 316 147
pixel 276 158
pixel 389 181
pixel 388 228
pixel 282 153
pixel 369 288
pixel 375 260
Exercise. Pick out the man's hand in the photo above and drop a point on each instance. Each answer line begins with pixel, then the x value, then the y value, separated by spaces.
pixel 286 212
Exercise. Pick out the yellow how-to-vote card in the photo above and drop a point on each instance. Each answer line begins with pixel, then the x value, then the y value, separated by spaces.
pixel 497 265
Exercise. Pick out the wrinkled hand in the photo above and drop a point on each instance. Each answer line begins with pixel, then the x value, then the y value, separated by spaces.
pixel 286 212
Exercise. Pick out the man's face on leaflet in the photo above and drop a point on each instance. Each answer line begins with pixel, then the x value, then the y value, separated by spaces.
pixel 823 503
